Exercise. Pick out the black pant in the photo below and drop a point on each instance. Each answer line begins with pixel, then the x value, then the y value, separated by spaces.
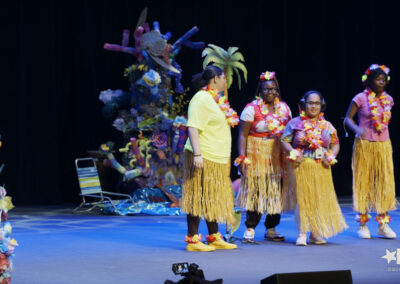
pixel 253 218
pixel 193 225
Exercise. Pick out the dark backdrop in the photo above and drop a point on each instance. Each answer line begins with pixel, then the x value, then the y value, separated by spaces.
pixel 53 68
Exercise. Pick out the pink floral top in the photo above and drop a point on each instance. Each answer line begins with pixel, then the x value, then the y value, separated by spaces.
pixel 295 135
pixel 269 125
pixel 365 119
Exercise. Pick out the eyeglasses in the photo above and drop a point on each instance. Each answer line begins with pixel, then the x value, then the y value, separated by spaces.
pixel 270 90
pixel 313 103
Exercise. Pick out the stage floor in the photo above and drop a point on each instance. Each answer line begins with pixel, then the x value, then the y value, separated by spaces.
pixel 56 246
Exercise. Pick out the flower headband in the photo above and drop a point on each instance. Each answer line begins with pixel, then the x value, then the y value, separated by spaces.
pixel 267 76
pixel 373 67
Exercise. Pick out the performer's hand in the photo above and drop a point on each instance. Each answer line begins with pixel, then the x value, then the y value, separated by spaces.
pixel 198 162
pixel 359 132
pixel 299 160
pixel 325 163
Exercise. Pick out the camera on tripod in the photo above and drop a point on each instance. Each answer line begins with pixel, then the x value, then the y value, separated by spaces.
pixel 181 268
pixel 192 274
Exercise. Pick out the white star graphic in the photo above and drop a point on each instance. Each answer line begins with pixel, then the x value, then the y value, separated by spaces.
pixel 389 256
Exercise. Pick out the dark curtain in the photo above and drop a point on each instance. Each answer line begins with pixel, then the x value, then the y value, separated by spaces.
pixel 53 67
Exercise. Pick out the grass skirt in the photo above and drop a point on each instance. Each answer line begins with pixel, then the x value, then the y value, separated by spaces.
pixel 207 192
pixel 260 188
pixel 289 185
pixel 373 177
pixel 319 210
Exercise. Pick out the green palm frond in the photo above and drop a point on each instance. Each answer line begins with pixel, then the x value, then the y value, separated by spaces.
pixel 211 57
pixel 222 66
pixel 239 79
pixel 232 50
pixel 239 65
pixel 221 52
pixel 231 61
pixel 229 76
pixel 237 57
pixel 207 51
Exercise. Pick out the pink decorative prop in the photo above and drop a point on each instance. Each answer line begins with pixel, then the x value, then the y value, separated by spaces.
pixel 125 38
pixel 119 48
pixel 138 36
pixel 146 27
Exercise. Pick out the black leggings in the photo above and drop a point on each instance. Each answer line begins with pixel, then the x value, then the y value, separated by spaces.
pixel 193 226
pixel 253 218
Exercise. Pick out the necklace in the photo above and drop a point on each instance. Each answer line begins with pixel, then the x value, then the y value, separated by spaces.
pixel 313 130
pixel 277 120
pixel 380 120
pixel 231 115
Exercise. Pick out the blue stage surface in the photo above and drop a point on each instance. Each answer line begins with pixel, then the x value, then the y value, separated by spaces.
pixel 56 246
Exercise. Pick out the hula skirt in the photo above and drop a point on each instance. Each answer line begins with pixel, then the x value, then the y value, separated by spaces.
pixel 207 192
pixel 319 211
pixel 261 187
pixel 373 177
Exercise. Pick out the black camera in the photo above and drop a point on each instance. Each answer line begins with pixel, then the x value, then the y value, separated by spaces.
pixel 192 274
pixel 180 268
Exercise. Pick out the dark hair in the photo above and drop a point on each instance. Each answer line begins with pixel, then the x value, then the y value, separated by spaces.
pixel 302 103
pixel 201 79
pixel 373 75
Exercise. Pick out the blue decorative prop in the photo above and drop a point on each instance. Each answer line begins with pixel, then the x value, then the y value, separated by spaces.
pixel 149 201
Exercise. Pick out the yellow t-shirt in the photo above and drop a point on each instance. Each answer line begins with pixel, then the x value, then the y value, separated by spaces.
pixel 214 132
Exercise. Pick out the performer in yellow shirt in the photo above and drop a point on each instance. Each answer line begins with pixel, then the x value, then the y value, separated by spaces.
pixel 207 188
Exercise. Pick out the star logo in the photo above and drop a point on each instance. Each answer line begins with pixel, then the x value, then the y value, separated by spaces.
pixel 389 256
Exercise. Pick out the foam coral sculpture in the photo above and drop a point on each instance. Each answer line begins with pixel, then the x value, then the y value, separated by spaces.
pixel 151 114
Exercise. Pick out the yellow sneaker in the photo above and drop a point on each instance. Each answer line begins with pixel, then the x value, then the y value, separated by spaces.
pixel 217 242
pixel 194 244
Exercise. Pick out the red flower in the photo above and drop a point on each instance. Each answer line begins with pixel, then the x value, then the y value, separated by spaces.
pixel 211 238
pixel 4 216
pixel 4 263
pixel 6 281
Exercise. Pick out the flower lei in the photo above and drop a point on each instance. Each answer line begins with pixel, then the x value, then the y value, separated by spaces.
pixel 213 237
pixel 330 157
pixel 380 121
pixel 193 240
pixel 383 219
pixel 385 69
pixel 363 218
pixel 294 154
pixel 276 122
pixel 232 117
pixel 313 132
pixel 267 76
pixel 241 159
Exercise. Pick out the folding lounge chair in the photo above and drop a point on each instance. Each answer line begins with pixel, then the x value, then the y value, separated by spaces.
pixel 90 186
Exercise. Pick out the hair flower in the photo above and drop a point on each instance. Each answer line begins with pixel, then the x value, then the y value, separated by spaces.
pixel 268 75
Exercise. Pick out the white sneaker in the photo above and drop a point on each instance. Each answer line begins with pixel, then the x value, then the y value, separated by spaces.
pixel 385 231
pixel 248 236
pixel 363 232
pixel 301 239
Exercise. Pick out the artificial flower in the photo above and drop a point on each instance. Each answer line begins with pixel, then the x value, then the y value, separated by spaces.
pixel 313 130
pixel 232 117
pixel 277 120
pixel 380 119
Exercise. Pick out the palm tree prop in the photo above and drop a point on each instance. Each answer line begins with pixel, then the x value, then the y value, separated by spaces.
pixel 228 60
